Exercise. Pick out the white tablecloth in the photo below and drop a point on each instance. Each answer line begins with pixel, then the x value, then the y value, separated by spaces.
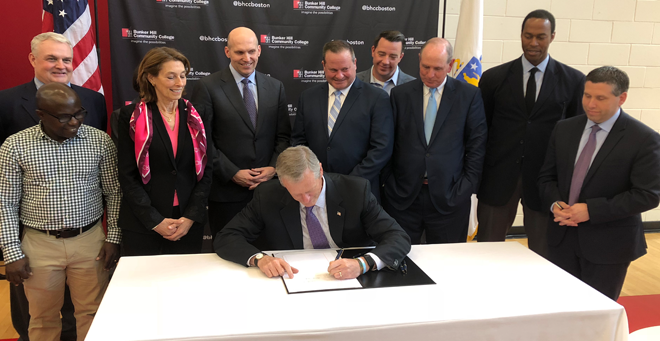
pixel 484 291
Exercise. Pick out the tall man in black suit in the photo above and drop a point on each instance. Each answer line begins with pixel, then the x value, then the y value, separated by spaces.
pixel 345 122
pixel 308 209
pixel 250 126
pixel 524 98
pixel 386 52
pixel 51 57
pixel 600 173
pixel 439 149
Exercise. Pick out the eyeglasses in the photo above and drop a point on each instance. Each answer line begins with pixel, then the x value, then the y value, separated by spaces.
pixel 65 118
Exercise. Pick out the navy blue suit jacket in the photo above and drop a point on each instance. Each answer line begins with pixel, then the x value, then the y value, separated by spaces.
pixel 454 156
pixel 18 107
pixel 361 140
pixel 621 183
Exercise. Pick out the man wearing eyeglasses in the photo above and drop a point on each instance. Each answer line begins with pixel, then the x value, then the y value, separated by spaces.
pixel 51 56
pixel 55 179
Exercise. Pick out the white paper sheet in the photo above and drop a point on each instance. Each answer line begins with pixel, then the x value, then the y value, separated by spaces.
pixel 313 272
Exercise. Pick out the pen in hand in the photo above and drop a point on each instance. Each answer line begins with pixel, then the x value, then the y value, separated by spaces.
pixel 339 253
pixel 558 205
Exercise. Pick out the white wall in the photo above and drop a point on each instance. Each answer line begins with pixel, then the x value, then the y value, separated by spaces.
pixel 589 34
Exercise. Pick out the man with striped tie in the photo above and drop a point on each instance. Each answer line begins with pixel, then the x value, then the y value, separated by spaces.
pixel 345 122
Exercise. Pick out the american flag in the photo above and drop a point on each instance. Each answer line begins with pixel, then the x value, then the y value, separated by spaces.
pixel 72 19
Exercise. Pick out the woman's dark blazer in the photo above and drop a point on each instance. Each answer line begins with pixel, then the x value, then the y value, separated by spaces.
pixel 144 206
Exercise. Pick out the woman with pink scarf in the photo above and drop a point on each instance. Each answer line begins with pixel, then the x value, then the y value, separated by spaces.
pixel 164 171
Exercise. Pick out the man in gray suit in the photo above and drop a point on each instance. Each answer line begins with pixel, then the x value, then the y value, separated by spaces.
pixel 387 52
pixel 250 126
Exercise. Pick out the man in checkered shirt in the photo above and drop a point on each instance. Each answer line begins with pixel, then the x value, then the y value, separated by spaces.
pixel 53 179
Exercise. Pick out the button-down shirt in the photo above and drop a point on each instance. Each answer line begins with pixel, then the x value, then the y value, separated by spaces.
pixel 252 84
pixel 56 185
pixel 331 96
pixel 438 95
pixel 601 135
pixel 321 212
pixel 538 76
pixel 388 84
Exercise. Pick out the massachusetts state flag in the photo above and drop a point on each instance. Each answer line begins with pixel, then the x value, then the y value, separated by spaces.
pixel 72 19
pixel 467 65
pixel 469 42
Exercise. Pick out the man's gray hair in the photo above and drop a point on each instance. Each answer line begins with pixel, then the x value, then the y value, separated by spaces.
pixel 294 161
pixel 40 38
pixel 440 41
pixel 617 78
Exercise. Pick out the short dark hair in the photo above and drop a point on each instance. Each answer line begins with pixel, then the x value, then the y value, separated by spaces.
pixel 540 14
pixel 151 64
pixel 336 46
pixel 392 37
pixel 612 76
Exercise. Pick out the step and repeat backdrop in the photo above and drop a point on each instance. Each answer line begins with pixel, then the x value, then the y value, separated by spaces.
pixel 291 34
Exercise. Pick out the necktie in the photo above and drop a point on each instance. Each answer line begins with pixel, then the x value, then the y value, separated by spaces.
pixel 582 166
pixel 319 241
pixel 248 99
pixel 429 119
pixel 378 85
pixel 530 94
pixel 334 111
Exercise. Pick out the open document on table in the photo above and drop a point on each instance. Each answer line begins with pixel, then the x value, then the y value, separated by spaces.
pixel 313 272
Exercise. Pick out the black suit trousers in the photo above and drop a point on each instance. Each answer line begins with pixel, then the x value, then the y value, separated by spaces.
pixel 422 216
pixel 606 278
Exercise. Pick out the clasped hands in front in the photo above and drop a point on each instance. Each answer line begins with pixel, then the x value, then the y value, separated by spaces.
pixel 344 268
pixel 174 229
pixel 570 215
pixel 251 178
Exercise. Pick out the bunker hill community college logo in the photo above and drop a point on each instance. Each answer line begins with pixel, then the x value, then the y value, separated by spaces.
pixel 315 7
pixel 273 41
pixel 145 36
pixel 188 4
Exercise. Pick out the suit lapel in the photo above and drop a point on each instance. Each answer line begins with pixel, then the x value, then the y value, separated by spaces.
pixel 30 101
pixel 262 93
pixel 161 131
pixel 418 109
pixel 547 86
pixel 230 88
pixel 446 102
pixel 290 214
pixel 573 142
pixel 515 80
pixel 610 142
pixel 353 94
pixel 335 212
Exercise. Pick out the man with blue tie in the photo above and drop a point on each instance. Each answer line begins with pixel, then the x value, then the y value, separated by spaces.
pixel 387 53
pixel 345 122
pixel 600 173
pixel 439 148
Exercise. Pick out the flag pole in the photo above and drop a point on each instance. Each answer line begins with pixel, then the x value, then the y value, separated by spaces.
pixel 444 17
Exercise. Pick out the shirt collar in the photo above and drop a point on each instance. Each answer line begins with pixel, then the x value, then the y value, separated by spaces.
pixel 394 78
pixel 331 89
pixel 39 83
pixel 528 66
pixel 41 135
pixel 607 125
pixel 438 89
pixel 320 202
pixel 238 78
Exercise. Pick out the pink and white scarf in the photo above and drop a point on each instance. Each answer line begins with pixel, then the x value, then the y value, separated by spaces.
pixel 142 133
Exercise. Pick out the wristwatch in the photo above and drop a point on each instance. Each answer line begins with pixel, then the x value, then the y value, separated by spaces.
pixel 258 257
pixel 371 264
